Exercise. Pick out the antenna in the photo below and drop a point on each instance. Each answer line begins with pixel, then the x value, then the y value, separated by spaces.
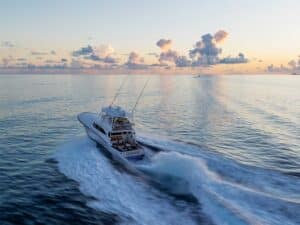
pixel 141 93
pixel 118 91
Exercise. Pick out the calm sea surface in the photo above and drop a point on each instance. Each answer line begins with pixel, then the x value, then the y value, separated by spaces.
pixel 231 151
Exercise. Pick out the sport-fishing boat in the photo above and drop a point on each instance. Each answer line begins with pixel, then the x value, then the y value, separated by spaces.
pixel 113 129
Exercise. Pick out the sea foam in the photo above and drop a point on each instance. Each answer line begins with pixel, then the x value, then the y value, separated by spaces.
pixel 228 192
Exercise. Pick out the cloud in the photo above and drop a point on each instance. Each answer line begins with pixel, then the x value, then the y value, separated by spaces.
pixel 183 61
pixel 102 53
pixel 6 61
pixel 291 67
pixel 270 67
pixel 205 51
pixel 292 64
pixel 50 61
pixel 109 59
pixel 153 54
pixel 281 69
pixel 42 53
pixel 159 65
pixel 83 51
pixel 21 59
pixel 234 60
pixel 76 64
pixel 135 58
pixel 22 64
pixel 135 61
pixel 173 57
pixel 47 66
pixel 39 53
pixel 168 56
pixel 220 36
pixel 164 44
pixel 7 44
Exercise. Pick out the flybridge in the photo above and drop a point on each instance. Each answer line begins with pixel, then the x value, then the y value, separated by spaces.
pixel 114 111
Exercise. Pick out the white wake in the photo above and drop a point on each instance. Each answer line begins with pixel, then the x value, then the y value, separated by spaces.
pixel 228 192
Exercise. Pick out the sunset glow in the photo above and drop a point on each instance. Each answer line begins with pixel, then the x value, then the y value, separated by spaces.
pixel 45 35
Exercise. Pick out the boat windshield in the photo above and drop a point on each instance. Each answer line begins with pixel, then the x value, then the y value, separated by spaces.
pixel 121 123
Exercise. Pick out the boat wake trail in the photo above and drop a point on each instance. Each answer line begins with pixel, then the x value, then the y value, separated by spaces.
pixel 117 192
pixel 226 192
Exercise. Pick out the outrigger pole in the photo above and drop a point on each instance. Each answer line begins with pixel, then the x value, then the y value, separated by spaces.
pixel 141 93
pixel 118 91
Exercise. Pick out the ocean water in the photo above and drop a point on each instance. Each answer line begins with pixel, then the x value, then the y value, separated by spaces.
pixel 231 151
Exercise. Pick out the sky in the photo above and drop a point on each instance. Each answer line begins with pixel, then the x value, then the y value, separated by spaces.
pixel 256 36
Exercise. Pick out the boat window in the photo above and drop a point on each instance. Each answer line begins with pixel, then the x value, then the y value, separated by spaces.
pixel 99 128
